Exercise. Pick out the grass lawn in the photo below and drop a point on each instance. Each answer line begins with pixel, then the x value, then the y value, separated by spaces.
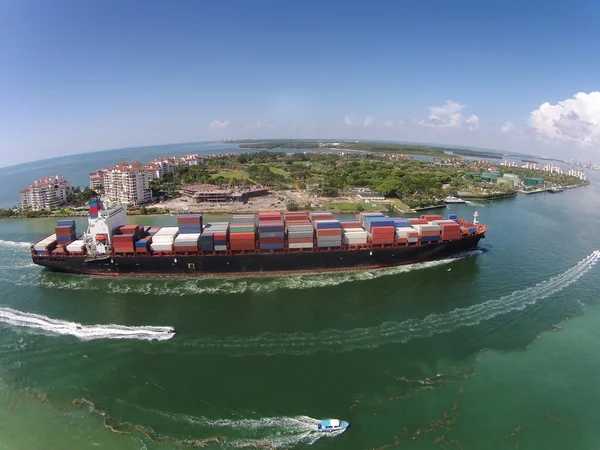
pixel 279 171
pixel 234 175
pixel 353 207
pixel 398 204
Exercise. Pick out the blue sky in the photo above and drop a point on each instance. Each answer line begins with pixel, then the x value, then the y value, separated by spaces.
pixel 79 76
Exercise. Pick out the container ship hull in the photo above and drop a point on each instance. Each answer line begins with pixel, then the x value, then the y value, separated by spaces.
pixel 255 263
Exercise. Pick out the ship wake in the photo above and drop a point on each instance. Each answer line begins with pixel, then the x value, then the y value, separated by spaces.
pixel 393 332
pixel 57 327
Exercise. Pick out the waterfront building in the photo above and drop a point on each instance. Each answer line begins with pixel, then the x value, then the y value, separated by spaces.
pixel 531 166
pixel 577 173
pixel 46 193
pixel 552 168
pixel 509 163
pixel 127 184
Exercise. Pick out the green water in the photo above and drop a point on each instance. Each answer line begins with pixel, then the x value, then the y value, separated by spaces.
pixel 495 349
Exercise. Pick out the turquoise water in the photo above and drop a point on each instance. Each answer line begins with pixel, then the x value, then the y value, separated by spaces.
pixel 493 349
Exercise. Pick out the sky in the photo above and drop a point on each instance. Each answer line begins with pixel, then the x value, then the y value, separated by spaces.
pixel 78 76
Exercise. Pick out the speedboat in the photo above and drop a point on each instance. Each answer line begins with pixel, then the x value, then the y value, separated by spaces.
pixel 453 199
pixel 331 425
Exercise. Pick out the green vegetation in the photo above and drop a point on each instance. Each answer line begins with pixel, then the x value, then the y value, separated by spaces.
pixel 78 197
pixel 353 207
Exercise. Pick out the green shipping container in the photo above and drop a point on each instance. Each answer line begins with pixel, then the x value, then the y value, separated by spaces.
pixel 241 229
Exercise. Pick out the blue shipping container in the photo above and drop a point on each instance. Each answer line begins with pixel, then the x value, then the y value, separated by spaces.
pixel 328 225
pixel 452 216
pixel 430 238
pixel 270 228
pixel 472 229
pixel 271 246
pixel 66 223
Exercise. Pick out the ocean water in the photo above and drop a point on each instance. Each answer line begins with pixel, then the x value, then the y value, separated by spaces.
pixel 495 348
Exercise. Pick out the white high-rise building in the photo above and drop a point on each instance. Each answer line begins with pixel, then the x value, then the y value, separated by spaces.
pixel 508 163
pixel 552 169
pixel 128 184
pixel 46 193
pixel 577 173
pixel 530 166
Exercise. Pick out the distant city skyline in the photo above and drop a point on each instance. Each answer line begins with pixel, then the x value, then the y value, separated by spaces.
pixel 89 76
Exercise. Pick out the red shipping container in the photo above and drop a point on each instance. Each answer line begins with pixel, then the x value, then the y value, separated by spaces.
pixel 382 241
pixel 274 240
pixel 351 225
pixel 299 240
pixel 401 240
pixel 123 238
pixel 238 247
pixel 430 217
pixel 417 221
pixel 190 248
pixel 241 236
pixel 329 232
pixel 141 250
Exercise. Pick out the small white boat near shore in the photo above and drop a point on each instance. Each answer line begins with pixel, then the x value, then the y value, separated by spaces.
pixel 452 199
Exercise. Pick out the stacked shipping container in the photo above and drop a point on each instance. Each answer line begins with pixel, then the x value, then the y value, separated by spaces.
pixel 270 231
pixel 329 233
pixel 190 223
pixel 162 240
pixel 215 234
pixel 242 232
pixel 299 230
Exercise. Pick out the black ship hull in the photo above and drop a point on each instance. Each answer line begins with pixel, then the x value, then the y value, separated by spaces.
pixel 255 263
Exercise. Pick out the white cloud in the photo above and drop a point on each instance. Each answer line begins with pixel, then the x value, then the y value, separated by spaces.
pixel 472 122
pixel 388 123
pixel 368 122
pixel 447 109
pixel 575 119
pixel 260 125
pixel 348 120
pixel 508 126
pixel 448 115
pixel 218 124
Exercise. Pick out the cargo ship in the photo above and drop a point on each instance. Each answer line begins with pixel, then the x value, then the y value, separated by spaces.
pixel 268 243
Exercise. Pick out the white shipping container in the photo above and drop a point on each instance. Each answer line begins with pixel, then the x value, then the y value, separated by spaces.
pixel 220 248
pixel 420 228
pixel 300 245
pixel 413 240
pixel 76 246
pixel 156 247
pixel 354 230
pixel 167 231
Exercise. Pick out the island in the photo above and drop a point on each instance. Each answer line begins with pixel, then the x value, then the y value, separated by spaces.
pixel 343 177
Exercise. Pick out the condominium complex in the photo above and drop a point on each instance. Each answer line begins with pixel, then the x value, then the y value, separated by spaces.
pixel 127 184
pixel 552 168
pixel 531 166
pixel 160 167
pixel 47 193
pixel 578 173
pixel 508 163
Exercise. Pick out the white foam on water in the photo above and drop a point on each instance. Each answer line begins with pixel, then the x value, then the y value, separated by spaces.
pixel 87 332
pixel 5 243
pixel 268 432
pixel 393 332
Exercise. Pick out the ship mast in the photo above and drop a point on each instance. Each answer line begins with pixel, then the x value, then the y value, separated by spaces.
pixel 475 216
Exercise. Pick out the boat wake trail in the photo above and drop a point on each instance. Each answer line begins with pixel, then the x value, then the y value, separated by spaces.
pixel 83 332
pixel 266 432
pixel 5 243
pixel 393 332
